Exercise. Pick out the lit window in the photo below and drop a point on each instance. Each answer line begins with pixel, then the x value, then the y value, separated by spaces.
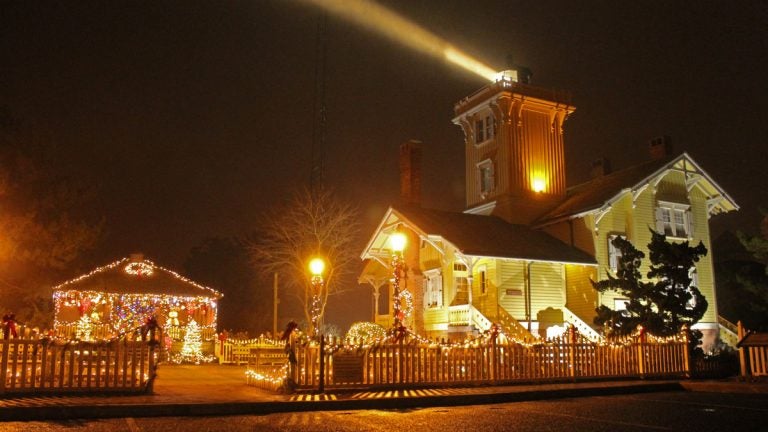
pixel 433 289
pixel 485 129
pixel 673 219
pixel 614 253
pixel 485 169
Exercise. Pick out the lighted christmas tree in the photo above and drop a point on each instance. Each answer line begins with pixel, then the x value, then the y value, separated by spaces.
pixel 84 328
pixel 191 351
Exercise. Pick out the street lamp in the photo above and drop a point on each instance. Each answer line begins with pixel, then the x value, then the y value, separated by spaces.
pixel 316 268
pixel 397 241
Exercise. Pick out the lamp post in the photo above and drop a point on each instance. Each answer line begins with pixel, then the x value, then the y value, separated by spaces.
pixel 397 241
pixel 316 268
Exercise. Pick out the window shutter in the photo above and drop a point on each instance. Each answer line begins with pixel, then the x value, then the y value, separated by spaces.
pixel 659 220
pixel 492 181
pixel 425 286
pixel 689 221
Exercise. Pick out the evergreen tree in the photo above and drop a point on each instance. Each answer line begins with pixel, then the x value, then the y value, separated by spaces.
pixel 191 351
pixel 662 303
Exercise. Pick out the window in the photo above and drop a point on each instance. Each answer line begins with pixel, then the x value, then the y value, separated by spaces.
pixel 620 305
pixel 485 169
pixel 482 280
pixel 462 291
pixel 674 219
pixel 485 129
pixel 614 254
pixel 433 289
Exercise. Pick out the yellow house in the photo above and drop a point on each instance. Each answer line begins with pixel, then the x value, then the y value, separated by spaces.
pixel 525 250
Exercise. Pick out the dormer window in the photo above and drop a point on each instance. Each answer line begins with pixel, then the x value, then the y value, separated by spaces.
pixel 485 129
pixel 674 219
pixel 485 169
pixel 614 253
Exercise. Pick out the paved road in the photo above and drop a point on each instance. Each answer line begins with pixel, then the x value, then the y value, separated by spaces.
pixel 676 411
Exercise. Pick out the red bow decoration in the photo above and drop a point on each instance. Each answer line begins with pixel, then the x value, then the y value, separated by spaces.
pixel 400 333
pixel 9 325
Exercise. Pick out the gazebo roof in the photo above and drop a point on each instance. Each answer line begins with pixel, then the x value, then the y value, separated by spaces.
pixel 135 275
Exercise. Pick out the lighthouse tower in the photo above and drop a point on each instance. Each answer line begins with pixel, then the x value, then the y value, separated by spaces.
pixel 515 158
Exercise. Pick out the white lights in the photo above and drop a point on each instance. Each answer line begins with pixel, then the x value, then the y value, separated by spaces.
pixel 139 269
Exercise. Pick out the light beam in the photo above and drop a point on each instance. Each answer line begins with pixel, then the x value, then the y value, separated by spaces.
pixel 387 23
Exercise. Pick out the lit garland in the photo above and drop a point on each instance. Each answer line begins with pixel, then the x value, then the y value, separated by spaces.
pixel 397 312
pixel 275 379
pixel 315 307
pixel 365 333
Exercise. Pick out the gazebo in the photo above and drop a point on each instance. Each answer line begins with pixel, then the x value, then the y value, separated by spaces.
pixel 121 296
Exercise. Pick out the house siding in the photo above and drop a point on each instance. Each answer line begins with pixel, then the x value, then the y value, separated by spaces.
pixel 511 276
pixel 581 297
pixel 705 267
pixel 486 303
pixel 547 287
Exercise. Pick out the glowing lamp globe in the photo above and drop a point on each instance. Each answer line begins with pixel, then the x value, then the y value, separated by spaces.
pixel 539 185
pixel 398 241
pixel 316 266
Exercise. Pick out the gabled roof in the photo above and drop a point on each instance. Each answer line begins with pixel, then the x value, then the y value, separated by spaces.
pixel 128 276
pixel 478 235
pixel 602 191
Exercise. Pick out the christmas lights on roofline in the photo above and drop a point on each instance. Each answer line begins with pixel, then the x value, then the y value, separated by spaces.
pixel 143 268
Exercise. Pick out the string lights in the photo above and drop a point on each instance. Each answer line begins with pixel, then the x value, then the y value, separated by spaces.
pixel 117 312
pixel 316 267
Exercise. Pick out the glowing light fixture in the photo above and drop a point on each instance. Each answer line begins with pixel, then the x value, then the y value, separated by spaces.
pixel 397 241
pixel 316 266
pixel 387 23
pixel 538 184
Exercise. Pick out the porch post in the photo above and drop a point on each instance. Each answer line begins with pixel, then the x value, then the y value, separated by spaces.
pixel 469 296
pixel 375 301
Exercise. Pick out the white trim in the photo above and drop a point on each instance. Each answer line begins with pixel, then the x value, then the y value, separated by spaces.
pixel 482 209
pixel 685 158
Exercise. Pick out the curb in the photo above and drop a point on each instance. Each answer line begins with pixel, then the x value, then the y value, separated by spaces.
pixel 71 412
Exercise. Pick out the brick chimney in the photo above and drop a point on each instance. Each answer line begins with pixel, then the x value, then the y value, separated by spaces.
pixel 410 172
pixel 600 167
pixel 660 147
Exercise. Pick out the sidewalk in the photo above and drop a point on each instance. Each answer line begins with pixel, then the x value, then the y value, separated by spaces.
pixel 221 390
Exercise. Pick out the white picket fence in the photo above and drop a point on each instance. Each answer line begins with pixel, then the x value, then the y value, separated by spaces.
pixel 413 363
pixel 30 364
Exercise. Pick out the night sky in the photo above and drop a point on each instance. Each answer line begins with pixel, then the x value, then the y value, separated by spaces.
pixel 191 117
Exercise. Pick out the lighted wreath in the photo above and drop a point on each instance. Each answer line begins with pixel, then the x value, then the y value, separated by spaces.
pixel 139 269
pixel 406 303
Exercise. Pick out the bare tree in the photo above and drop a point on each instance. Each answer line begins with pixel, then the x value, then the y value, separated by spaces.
pixel 308 225
pixel 47 221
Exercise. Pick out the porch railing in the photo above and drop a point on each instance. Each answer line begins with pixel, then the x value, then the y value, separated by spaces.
pixel 466 314
pixel 584 329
